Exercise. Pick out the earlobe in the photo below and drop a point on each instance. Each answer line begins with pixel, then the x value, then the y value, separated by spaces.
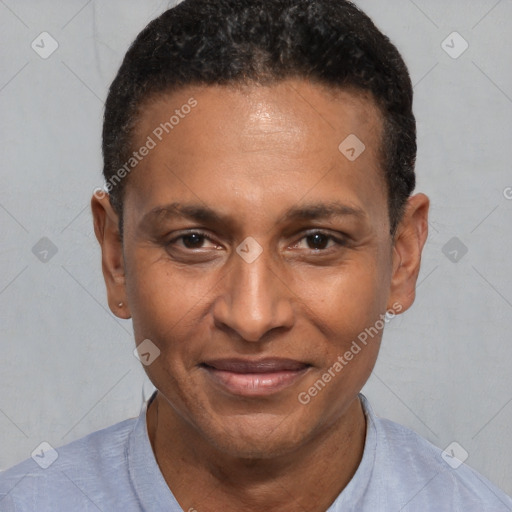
pixel 106 228
pixel 408 245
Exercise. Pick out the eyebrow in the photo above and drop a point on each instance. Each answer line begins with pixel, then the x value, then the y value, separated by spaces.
pixel 178 210
pixel 313 211
pixel 200 213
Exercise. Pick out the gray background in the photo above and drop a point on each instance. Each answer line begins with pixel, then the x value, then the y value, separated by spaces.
pixel 67 364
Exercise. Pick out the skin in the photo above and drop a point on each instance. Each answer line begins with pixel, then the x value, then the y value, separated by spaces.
pixel 252 153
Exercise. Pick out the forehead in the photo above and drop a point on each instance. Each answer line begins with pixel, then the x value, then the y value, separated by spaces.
pixel 267 143
pixel 290 106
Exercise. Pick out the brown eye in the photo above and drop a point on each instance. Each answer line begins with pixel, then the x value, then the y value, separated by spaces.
pixel 317 241
pixel 320 242
pixel 193 241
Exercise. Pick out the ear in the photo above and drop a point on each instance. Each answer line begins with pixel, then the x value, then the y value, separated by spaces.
pixel 106 228
pixel 409 241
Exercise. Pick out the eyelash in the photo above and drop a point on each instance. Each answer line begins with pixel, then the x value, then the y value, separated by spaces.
pixel 340 242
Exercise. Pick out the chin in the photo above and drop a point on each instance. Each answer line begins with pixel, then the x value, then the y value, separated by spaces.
pixel 258 436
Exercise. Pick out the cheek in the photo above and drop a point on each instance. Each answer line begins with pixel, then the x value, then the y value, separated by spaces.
pixel 166 308
pixel 164 303
pixel 354 304
pixel 349 317
pixel 347 299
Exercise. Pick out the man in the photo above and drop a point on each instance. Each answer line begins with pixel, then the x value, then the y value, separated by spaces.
pixel 259 230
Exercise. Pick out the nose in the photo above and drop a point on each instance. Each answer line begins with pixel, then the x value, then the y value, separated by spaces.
pixel 254 299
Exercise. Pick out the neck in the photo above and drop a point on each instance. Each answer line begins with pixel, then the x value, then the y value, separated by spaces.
pixel 203 479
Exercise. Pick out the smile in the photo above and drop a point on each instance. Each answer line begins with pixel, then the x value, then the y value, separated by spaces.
pixel 254 378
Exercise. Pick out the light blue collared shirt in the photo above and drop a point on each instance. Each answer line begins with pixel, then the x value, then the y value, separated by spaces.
pixel 114 469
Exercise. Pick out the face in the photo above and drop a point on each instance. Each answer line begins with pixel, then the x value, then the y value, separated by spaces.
pixel 255 253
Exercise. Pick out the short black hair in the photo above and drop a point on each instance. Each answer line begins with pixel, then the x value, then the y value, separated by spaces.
pixel 227 42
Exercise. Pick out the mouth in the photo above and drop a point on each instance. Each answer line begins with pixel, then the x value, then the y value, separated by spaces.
pixel 254 378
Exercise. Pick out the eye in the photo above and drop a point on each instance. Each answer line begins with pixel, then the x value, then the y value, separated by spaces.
pixel 319 241
pixel 192 240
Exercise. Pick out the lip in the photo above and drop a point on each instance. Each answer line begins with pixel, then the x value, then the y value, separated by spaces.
pixel 253 378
